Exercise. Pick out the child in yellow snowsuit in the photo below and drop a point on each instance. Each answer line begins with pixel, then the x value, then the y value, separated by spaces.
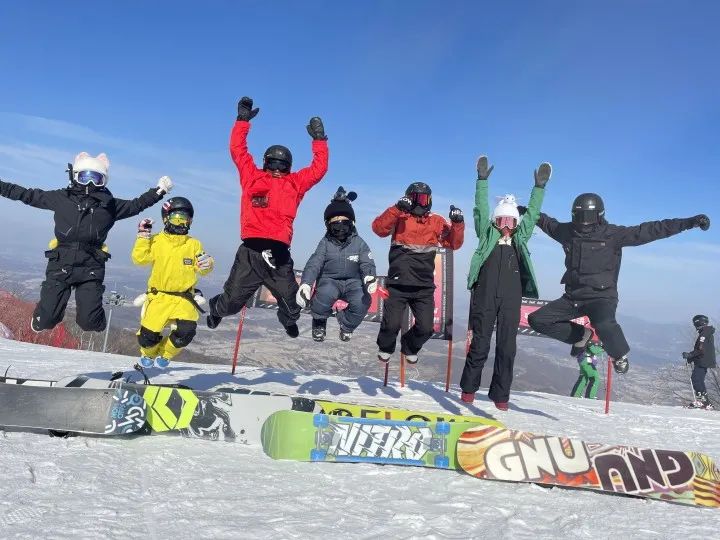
pixel 171 298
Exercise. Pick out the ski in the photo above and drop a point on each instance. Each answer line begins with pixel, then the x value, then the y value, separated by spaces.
pixel 111 411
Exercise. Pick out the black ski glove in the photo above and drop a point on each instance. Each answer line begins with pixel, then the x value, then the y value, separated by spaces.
pixel 456 215
pixel 245 110
pixel 482 168
pixel 316 129
pixel 685 356
pixel 702 221
pixel 522 210
pixel 404 204
pixel 543 174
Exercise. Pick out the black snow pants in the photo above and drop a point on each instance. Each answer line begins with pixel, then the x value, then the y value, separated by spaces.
pixel 422 305
pixel 698 378
pixel 555 320
pixel 72 268
pixel 260 262
pixel 485 310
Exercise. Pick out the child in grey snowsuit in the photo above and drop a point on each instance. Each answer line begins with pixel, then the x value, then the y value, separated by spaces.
pixel 342 268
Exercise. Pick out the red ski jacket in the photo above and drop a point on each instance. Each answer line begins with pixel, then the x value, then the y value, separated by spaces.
pixel 414 242
pixel 269 205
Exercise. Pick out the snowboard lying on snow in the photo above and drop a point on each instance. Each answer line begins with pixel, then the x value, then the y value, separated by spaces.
pixel 496 453
pixel 234 414
pixel 97 411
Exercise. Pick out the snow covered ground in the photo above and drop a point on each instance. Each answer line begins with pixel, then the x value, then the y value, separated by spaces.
pixel 167 487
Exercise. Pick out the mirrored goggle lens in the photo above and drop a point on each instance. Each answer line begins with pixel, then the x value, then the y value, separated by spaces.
pixel 90 177
pixel 421 199
pixel 505 222
pixel 179 218
pixel 277 165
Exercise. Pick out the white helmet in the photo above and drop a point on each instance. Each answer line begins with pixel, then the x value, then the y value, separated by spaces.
pixel 85 163
pixel 507 207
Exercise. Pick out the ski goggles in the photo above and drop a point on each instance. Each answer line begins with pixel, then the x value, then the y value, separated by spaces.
pixel 421 199
pixel 585 217
pixel 277 165
pixel 85 178
pixel 179 218
pixel 505 222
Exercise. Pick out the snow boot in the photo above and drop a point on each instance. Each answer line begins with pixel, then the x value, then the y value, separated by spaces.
pixel 411 358
pixel 318 329
pixel 384 356
pixel 147 362
pixel 621 365
pixel 212 320
pixel 293 331
pixel 162 362
pixel 345 335
pixel 34 321
pixel 501 405
pixel 467 397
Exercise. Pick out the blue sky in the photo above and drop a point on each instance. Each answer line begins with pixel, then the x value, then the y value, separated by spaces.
pixel 621 97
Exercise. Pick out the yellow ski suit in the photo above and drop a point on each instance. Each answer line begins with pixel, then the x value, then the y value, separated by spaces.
pixel 174 269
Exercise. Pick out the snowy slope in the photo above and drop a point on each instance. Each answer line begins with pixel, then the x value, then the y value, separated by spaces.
pixel 163 487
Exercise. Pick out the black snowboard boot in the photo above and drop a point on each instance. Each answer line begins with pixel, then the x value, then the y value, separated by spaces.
pixel 318 329
pixel 621 365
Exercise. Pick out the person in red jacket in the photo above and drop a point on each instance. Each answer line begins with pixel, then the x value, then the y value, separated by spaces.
pixel 416 235
pixel 270 199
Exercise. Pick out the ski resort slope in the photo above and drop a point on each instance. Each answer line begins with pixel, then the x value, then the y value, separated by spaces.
pixel 170 487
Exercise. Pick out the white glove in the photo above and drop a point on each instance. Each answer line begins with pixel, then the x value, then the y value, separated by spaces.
pixel 303 295
pixel 145 228
pixel 164 185
pixel 205 261
pixel 370 284
pixel 140 300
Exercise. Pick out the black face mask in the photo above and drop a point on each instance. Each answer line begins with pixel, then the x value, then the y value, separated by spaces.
pixel 340 229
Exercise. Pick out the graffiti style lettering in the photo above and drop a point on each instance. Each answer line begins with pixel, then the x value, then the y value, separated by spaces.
pixel 395 442
pixel 637 473
pixel 527 460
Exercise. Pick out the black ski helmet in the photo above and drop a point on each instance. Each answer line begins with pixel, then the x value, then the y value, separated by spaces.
pixel 700 320
pixel 277 158
pixel 421 196
pixel 588 209
pixel 180 205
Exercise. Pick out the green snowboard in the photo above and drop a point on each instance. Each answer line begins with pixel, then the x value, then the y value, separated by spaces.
pixel 304 436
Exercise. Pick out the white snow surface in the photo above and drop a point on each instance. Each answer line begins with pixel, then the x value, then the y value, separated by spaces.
pixel 171 487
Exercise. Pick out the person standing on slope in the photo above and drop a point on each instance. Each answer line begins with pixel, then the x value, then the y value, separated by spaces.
pixel 501 273
pixel 84 213
pixel 702 357
pixel 593 252
pixel 270 200
pixel 171 299
pixel 589 378
pixel 342 268
pixel 416 235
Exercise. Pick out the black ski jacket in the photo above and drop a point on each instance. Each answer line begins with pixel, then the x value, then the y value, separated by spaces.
pixel 83 218
pixel 704 352
pixel 593 256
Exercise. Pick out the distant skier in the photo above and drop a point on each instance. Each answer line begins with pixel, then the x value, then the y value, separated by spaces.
pixel 589 379
pixel 416 235
pixel 269 204
pixel 171 298
pixel 702 357
pixel 85 211
pixel 593 251
pixel 342 268
pixel 500 274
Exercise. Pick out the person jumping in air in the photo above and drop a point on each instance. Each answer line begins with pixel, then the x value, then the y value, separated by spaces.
pixel 270 200
pixel 416 235
pixel 589 379
pixel 702 357
pixel 171 298
pixel 501 273
pixel 342 268
pixel 593 252
pixel 84 213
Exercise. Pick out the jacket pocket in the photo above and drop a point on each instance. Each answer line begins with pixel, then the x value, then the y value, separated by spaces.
pixel 596 256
